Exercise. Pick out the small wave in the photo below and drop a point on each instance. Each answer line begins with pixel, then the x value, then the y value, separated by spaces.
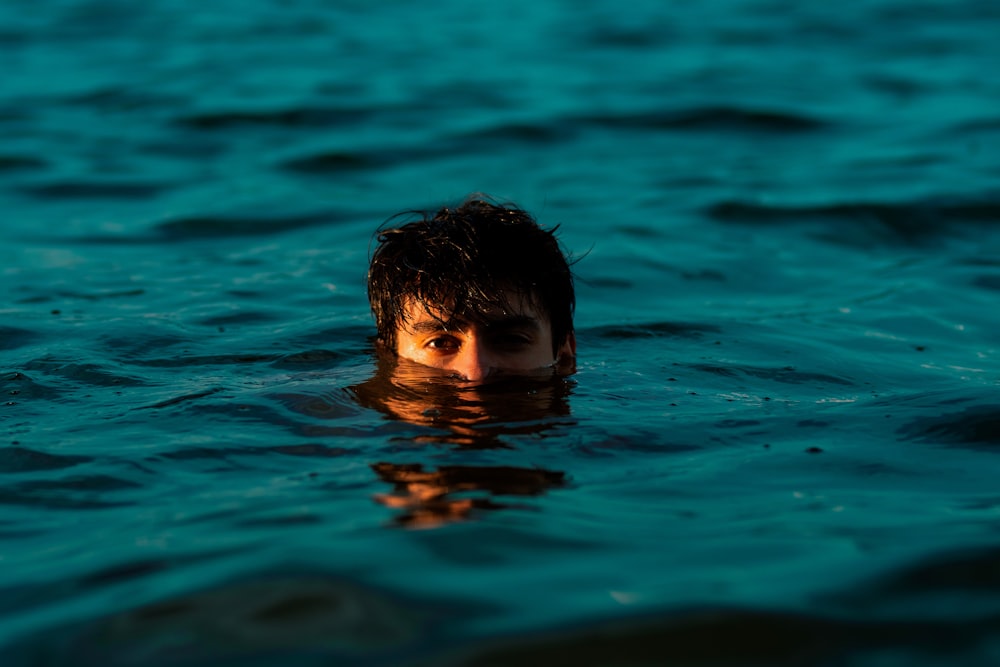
pixel 223 226
pixel 327 405
pixel 288 616
pixel 605 36
pixel 237 318
pixel 73 493
pixel 14 337
pixel 85 373
pixel 652 330
pixel 976 126
pixel 304 117
pixel 94 190
pixel 312 359
pixel 338 161
pixel 311 451
pixel 20 385
pixel 207 227
pixel 184 398
pixel 713 119
pixel 84 296
pixel 23 459
pixel 225 455
pixel 10 163
pixel 13 115
pixel 731 637
pixel 786 374
pixel 977 427
pixel 990 281
pixel 911 222
pixel 975 572
pixel 125 98
pixel 206 360
pixel 532 134
pixel 334 162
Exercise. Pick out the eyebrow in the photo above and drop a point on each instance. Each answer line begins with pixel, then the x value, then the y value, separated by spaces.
pixel 431 326
pixel 505 322
pixel 514 322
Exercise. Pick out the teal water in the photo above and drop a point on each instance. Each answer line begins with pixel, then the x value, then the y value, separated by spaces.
pixel 780 447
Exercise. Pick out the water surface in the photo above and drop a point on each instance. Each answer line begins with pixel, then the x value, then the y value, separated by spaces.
pixel 780 444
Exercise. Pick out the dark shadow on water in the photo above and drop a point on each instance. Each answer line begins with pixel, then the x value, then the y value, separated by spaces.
pixel 93 189
pixel 785 374
pixel 713 119
pixel 24 459
pixel 653 330
pixel 79 492
pixel 278 617
pixel 947 584
pixel 976 427
pixel 14 337
pixel 862 223
pixel 737 637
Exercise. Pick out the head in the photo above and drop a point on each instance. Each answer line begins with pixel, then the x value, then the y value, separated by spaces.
pixel 479 290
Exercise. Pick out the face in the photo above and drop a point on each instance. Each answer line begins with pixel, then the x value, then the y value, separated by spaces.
pixel 501 344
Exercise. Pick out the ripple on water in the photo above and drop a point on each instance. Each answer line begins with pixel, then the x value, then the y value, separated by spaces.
pixel 80 189
pixel 17 459
pixel 235 225
pixel 83 296
pixel 79 492
pixel 84 373
pixel 257 620
pixel 784 374
pixel 318 359
pixel 19 385
pixel 990 281
pixel 713 119
pixel 851 223
pixel 976 427
pixel 335 162
pixel 20 597
pixel 305 117
pixel 10 163
pixel 962 573
pixel 734 637
pixel 14 337
pixel 652 330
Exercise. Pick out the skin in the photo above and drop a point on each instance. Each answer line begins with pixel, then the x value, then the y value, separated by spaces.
pixel 502 344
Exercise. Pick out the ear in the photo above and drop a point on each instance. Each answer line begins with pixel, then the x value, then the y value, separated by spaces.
pixel 568 348
pixel 566 356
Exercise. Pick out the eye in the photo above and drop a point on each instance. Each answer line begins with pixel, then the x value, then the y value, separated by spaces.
pixel 443 343
pixel 512 341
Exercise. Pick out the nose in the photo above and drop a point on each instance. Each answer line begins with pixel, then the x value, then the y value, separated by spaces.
pixel 474 361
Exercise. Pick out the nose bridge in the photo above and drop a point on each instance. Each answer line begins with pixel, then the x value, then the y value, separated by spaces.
pixel 475 362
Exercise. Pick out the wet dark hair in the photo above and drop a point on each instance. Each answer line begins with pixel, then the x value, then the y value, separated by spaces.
pixel 467 261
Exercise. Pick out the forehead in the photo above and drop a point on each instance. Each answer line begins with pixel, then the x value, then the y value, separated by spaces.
pixel 515 308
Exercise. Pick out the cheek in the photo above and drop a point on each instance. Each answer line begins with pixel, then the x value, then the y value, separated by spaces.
pixel 538 356
pixel 414 351
pixel 407 349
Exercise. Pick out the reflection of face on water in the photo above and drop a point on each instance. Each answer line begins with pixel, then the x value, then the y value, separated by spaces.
pixel 428 497
pixel 466 416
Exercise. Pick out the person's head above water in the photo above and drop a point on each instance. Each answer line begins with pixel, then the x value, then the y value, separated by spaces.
pixel 479 290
